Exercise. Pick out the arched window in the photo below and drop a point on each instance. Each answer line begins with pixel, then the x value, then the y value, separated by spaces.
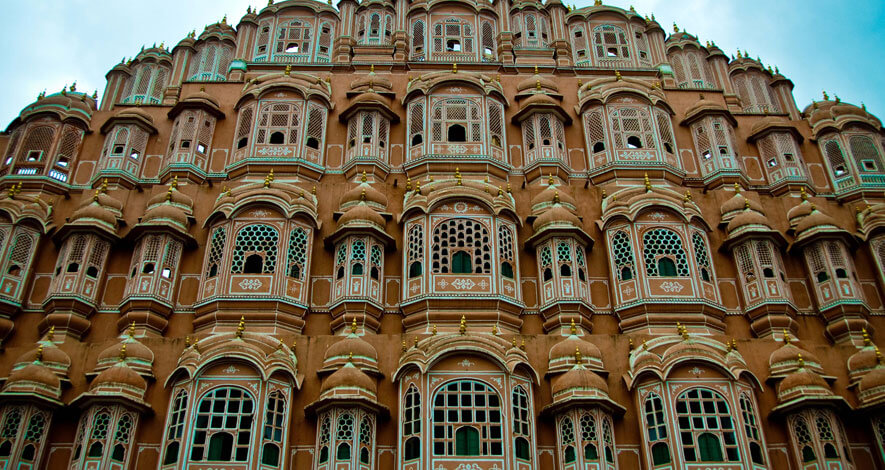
pixel 803 438
pixel 293 40
pixel 33 437
pixel 622 251
pixel 488 41
pixel 216 252
pixel 835 157
pixel 297 255
pixel 631 128
pixel 706 427
pixel 176 428
pixel 357 257
pixel 412 423
pixel 610 44
pixel 223 426
pixel 608 440
pixel 211 62
pixel 664 254
pixel 418 33
pixel 521 423
pixel 505 251
pixel 751 430
pixel 546 263
pixel 325 439
pixel 567 440
pixel 279 123
pixel 755 94
pixel 656 427
pixel 416 123
pixel 124 149
pixel 701 256
pixel 416 250
pixel 452 36
pixel 461 409
pixel 564 258
pixel 274 424
pixel 96 444
pixel 589 437
pixel 147 83
pixel 344 436
pixel 255 250
pixel 865 153
pixel 595 133
pixel 465 236
pixel 457 120
pixel 579 46
pixel 367 440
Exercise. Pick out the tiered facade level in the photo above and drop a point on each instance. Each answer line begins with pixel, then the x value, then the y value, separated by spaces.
pixel 400 234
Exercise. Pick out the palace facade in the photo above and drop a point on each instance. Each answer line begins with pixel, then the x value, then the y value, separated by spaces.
pixel 441 235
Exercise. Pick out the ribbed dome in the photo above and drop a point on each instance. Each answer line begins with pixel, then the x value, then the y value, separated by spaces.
pixel 556 215
pixel 797 212
pixel 50 355
pixel 95 211
pixel 532 83
pixel 551 192
pixel 703 107
pixel 163 212
pixel 747 218
pixel 803 382
pixel 33 374
pixel 567 348
pixel 785 359
pixel 737 204
pixel 370 97
pixel 873 380
pixel 351 344
pixel 361 213
pixel 863 360
pixel 135 113
pixel 816 219
pixel 579 380
pixel 372 195
pixel 134 351
pixel 117 376
pixel 349 377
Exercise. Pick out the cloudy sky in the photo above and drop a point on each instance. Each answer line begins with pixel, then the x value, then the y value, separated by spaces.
pixel 820 45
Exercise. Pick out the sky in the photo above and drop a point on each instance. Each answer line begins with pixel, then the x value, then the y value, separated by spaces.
pixel 818 44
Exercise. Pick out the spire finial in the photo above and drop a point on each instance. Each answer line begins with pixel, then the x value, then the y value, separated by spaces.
pixel 241 327
pixel 463 327
pixel 123 352
pixel 618 75
pixel 878 355
pixel 288 70
pixel 39 353
pixel 550 180
pixel 866 337
pixel 647 183
pixel 433 330
pixel 803 194
pixel 746 204
pixel 364 178
pixel 800 360
pixel 577 355
pixel 786 336
pixel 573 328
pixel 363 195
pixel 353 326
pixel 495 329
pixel 51 333
pixel 131 331
pixel 556 197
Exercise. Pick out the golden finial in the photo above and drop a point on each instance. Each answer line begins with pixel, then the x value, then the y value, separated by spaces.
pixel 458 175
pixel 372 68
pixel 813 207
pixel 495 329
pixel 294 343
pixel 169 195
pixel 737 188
pixel 104 186
pixel 500 191
pixel 187 342
pixel 866 337
pixel 675 27
pixel 408 184
pixel 454 68
pixel 363 195
pixel 433 330
pixel 729 346
pixel 514 342
pixel 645 345
pixel 288 70
pixel 39 353
pixel 131 331
pixel 687 196
pixel 647 183
pixel 364 178
pixel 353 326
pixel 604 195
pixel 786 336
pixel 405 347
pixel 418 187
pixel 536 69
pixel 573 329
pixel 550 180
pixel 826 96
pixel 51 333
pixel 522 344
pixel 838 100
pixel 618 76
pixel 734 344
pixel 803 194
pixel 800 360
pixel 538 84
pixel 556 197
pixel 509 189
pixel 746 204
pixel 577 356
pixel 463 326
pixel 123 352
pixel 241 327
pixel 415 342
pixel 630 343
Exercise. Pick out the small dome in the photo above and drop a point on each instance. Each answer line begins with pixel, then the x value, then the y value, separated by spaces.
pixel 50 355
pixel 797 212
pixel 556 215
pixel 349 377
pixel 355 194
pixel 802 382
pixel 135 113
pixel 737 204
pixel 768 122
pixel 135 351
pixel 95 211
pixel 163 212
pixel 361 213
pixel 538 99
pixel 864 360
pixel 370 97
pixel 117 376
pixel 536 81
pixel 702 107
pixel 562 355
pixel 580 381
pixel 748 218
pixel 34 378
pixel 351 344
pixel 875 379
pixel 785 359
pixel 816 219
pixel 551 192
